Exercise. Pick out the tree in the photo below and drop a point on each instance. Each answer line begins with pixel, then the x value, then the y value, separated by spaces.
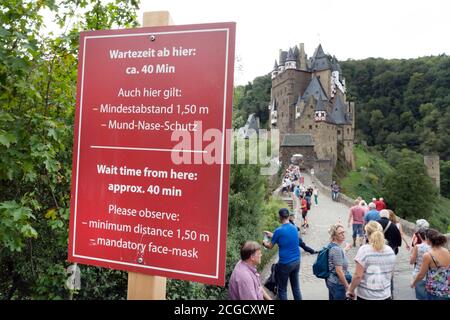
pixel 445 178
pixel 38 78
pixel 409 190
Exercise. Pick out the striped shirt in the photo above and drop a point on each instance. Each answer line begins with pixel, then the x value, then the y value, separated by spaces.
pixel 378 270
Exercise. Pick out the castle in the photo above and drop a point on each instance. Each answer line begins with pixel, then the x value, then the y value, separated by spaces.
pixel 309 108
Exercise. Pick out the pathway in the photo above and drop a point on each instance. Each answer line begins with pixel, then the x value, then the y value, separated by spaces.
pixel 320 218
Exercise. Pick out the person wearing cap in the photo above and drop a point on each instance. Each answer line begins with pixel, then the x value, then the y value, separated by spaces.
pixel 286 237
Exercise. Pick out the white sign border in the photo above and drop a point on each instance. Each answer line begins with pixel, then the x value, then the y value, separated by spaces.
pixel 216 275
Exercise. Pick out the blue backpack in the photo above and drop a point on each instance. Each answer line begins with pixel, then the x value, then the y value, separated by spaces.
pixel 320 267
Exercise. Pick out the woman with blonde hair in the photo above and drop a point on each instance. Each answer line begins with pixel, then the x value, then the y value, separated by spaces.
pixel 395 220
pixel 374 267
pixel 339 279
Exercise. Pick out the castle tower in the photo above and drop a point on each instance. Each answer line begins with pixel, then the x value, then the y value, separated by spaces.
pixel 432 164
pixel 291 62
pixel 302 57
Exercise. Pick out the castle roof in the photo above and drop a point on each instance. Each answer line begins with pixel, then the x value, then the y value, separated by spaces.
pixel 298 140
pixel 338 114
pixel 321 105
pixel 315 89
pixel 335 65
pixel 290 56
pixel 320 61
pixel 275 67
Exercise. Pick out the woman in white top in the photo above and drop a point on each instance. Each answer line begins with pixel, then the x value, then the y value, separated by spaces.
pixel 374 267
pixel 416 259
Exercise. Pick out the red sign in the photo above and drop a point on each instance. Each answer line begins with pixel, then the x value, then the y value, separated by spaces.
pixel 150 172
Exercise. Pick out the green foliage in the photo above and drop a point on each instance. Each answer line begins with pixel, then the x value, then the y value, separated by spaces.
pixel 440 217
pixel 366 180
pixel 445 178
pixel 254 98
pixel 38 77
pixel 403 103
pixel 409 191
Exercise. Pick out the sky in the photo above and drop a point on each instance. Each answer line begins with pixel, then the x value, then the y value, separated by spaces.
pixel 348 29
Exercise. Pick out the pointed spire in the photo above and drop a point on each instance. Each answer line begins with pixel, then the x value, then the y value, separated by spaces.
pixel 290 55
pixel 319 52
pixel 275 67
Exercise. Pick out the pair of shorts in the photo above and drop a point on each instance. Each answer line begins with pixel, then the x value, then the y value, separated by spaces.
pixel 357 230
pixel 304 213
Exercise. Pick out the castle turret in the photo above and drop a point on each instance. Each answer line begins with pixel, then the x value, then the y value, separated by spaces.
pixel 275 70
pixel 291 62
pixel 282 60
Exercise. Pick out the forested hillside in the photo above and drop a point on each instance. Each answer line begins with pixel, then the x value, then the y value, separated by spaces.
pixel 404 103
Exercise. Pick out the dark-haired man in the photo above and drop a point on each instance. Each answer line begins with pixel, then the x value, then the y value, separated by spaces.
pixel 286 236
pixel 245 282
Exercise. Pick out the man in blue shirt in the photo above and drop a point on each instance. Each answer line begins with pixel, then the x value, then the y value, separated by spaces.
pixel 286 236
pixel 372 214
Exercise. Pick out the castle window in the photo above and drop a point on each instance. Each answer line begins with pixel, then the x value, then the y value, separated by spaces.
pixel 303 127
pixel 310 127
pixel 348 130
pixel 339 131
pixel 317 126
pixel 309 116
pixel 311 107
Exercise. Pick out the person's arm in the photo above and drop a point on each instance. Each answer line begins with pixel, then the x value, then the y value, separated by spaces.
pixel 268 244
pixel 266 295
pixel 357 277
pixel 413 257
pixel 305 247
pixel 404 237
pixel 350 218
pixel 423 269
pixel 341 276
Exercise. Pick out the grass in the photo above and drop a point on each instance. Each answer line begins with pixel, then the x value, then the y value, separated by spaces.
pixel 366 181
pixel 440 217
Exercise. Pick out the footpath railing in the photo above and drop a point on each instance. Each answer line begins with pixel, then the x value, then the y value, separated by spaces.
pixel 408 227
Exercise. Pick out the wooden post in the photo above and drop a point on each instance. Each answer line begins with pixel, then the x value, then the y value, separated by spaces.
pixel 141 286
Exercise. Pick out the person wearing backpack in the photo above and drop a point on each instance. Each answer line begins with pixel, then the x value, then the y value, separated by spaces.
pixel 339 278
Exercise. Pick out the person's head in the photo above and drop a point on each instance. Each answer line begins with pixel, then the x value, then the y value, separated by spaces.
pixel 356 202
pixel 422 224
pixel 384 214
pixel 251 252
pixel 337 233
pixel 372 206
pixel 392 216
pixel 363 203
pixel 359 198
pixel 435 238
pixel 381 199
pixel 422 233
pixel 284 214
pixel 374 232
pixel 374 199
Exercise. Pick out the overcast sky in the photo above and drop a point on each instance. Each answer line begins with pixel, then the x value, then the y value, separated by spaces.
pixel 347 28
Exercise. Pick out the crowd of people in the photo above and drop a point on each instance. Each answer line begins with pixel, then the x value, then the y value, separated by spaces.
pixel 378 234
